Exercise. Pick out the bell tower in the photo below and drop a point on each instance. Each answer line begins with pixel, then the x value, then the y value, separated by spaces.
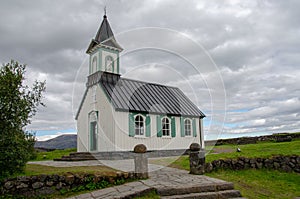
pixel 104 50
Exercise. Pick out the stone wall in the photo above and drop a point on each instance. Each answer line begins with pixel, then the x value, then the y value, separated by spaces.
pixel 282 163
pixel 49 184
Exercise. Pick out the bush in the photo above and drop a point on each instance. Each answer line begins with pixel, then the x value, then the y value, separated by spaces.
pixel 18 103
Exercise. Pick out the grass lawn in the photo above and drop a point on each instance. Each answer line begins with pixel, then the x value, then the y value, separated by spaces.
pixel 53 154
pixel 262 149
pixel 262 183
pixel 254 183
pixel 35 169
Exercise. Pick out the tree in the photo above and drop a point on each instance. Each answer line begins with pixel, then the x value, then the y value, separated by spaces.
pixel 18 104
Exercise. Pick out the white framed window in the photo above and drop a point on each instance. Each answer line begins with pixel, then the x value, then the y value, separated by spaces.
pixel 187 127
pixel 166 127
pixel 139 125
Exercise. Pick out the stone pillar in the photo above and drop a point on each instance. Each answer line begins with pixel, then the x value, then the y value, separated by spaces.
pixel 197 159
pixel 141 161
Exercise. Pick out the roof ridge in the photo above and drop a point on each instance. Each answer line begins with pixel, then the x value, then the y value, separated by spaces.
pixel 156 84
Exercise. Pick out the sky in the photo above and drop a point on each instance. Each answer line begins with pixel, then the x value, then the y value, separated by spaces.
pixel 238 61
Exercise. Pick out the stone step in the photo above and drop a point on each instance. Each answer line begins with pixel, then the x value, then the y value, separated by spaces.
pixel 226 194
pixel 177 190
pixel 73 159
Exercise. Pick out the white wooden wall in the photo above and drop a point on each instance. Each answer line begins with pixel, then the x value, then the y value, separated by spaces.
pixel 106 136
pixel 125 143
pixel 113 129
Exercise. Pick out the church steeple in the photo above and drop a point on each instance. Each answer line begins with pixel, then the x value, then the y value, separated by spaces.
pixel 104 50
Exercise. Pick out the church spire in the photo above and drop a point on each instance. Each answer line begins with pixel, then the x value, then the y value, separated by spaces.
pixel 104 36
pixel 104 50
pixel 104 31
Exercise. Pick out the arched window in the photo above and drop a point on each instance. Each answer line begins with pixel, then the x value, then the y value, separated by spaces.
pixel 187 127
pixel 109 64
pixel 139 125
pixel 166 127
pixel 94 65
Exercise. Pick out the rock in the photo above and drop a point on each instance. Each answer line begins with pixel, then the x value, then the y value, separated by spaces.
pixel 37 185
pixel 62 178
pixel 55 178
pixel 9 184
pixel 140 148
pixel 276 165
pixel 60 185
pixel 43 177
pixel 286 168
pixel 259 165
pixel 208 167
pixel 69 179
pixel 195 147
pixel 292 165
pixel 49 183
pixel 45 191
pixel 23 178
pixel 22 186
pixel 125 175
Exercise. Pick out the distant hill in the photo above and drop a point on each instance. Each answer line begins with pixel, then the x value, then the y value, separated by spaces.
pixel 60 142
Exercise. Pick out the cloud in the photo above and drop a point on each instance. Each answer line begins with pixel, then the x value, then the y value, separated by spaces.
pixel 255 45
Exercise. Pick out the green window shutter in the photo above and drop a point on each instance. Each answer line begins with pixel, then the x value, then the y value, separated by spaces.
pixel 194 128
pixel 158 125
pixel 173 127
pixel 148 126
pixel 182 133
pixel 131 124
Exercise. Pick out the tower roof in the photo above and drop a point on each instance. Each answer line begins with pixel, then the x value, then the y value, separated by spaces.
pixel 104 31
pixel 104 36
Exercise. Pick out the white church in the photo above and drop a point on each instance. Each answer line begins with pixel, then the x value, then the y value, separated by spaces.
pixel 117 113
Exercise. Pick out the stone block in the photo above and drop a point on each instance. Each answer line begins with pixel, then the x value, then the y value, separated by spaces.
pixel 37 185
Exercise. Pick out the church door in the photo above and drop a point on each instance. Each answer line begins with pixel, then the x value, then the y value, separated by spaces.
pixel 93 136
pixel 93 120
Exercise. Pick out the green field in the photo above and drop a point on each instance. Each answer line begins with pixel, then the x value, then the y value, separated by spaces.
pixel 263 149
pixel 254 183
pixel 52 154
pixel 35 169
pixel 262 183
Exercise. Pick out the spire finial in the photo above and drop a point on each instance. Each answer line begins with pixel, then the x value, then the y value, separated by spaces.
pixel 104 10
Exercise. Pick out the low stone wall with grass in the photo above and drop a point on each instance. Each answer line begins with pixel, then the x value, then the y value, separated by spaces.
pixel 40 185
pixel 282 163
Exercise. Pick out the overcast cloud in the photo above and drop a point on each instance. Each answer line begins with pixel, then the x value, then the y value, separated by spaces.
pixel 255 44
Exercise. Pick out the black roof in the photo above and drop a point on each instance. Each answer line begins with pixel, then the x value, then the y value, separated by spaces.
pixel 137 96
pixel 104 36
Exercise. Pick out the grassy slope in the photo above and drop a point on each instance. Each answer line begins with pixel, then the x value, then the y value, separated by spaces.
pixel 252 183
pixel 263 149
pixel 263 183
pixel 53 154
pixel 35 169
pixel 256 183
